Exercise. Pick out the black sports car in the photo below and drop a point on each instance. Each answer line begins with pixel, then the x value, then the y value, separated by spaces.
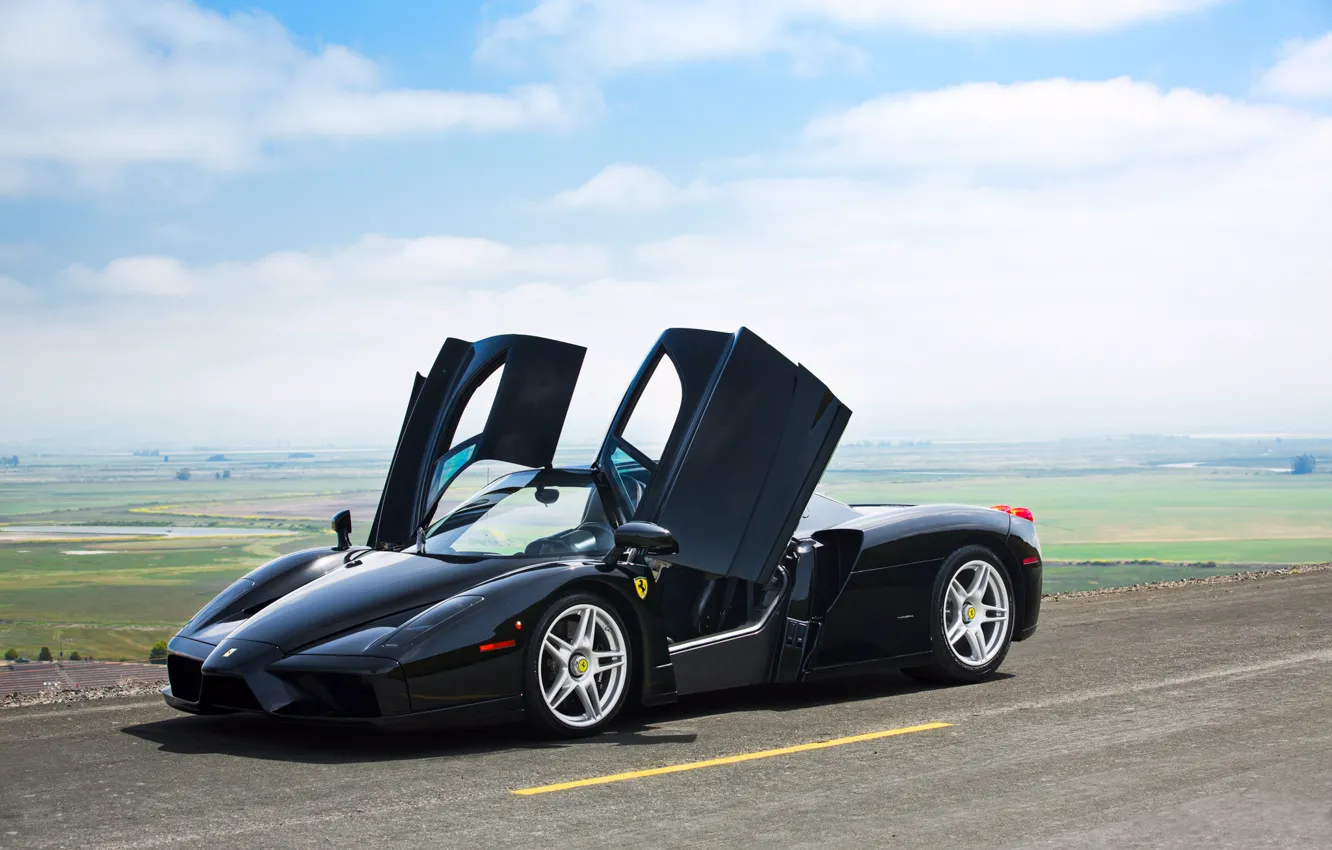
pixel 561 594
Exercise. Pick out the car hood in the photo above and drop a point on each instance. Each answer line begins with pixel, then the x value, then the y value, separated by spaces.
pixel 381 584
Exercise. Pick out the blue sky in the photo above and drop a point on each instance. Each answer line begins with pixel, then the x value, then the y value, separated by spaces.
pixel 200 205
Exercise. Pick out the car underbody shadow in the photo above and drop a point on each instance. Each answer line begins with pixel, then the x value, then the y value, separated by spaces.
pixel 796 697
pixel 258 737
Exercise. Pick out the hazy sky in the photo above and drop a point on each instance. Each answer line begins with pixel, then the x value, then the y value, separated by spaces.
pixel 245 223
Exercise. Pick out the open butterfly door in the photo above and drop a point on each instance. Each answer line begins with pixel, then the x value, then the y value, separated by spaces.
pixel 751 439
pixel 522 426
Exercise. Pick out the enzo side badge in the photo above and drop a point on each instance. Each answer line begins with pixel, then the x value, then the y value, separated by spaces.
pixel 641 585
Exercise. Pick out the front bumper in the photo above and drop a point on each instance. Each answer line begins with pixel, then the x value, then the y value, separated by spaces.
pixel 247 676
pixel 483 713
pixel 239 675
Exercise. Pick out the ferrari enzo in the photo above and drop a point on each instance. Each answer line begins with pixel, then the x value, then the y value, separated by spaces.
pixel 563 594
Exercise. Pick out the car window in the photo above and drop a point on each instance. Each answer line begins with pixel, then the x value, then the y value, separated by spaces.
pixel 446 469
pixel 465 484
pixel 476 411
pixel 655 411
pixel 631 477
pixel 529 513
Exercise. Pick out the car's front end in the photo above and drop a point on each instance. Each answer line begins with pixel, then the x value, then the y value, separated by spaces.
pixel 335 647
pixel 382 636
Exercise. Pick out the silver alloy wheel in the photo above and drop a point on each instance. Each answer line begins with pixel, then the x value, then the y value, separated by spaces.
pixel 976 611
pixel 583 665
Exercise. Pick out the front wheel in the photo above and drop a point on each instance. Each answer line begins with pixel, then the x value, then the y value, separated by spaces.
pixel 576 677
pixel 971 618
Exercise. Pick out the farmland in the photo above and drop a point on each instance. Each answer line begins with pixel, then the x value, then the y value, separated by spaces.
pixel 1109 512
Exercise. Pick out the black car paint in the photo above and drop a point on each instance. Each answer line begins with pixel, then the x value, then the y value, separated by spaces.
pixel 337 612
pixel 880 615
pixel 306 635
pixel 843 586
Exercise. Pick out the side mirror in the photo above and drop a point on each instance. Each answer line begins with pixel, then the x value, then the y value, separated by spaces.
pixel 342 525
pixel 547 495
pixel 645 537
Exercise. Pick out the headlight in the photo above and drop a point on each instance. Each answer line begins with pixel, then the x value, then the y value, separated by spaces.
pixel 416 628
pixel 221 602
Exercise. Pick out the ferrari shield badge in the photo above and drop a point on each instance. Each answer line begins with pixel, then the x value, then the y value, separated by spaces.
pixel 641 585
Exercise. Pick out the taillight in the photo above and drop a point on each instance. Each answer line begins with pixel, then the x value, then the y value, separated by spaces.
pixel 1022 512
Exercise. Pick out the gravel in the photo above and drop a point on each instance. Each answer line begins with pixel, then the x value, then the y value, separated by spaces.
pixel 1250 575
pixel 127 688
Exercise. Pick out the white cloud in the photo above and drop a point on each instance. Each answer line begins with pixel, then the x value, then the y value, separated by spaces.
pixel 96 86
pixel 1047 124
pixel 612 35
pixel 13 292
pixel 373 264
pixel 1166 293
pixel 1304 71
pixel 154 276
pixel 625 186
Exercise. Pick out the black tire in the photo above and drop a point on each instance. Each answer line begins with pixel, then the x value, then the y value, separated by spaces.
pixel 540 717
pixel 946 668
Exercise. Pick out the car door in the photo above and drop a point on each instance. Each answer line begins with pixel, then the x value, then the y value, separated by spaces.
pixel 522 425
pixel 752 435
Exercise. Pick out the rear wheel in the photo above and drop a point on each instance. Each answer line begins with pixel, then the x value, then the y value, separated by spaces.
pixel 971 618
pixel 577 674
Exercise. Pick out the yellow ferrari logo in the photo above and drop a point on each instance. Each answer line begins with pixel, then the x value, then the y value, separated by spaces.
pixel 581 665
pixel 641 585
pixel 971 612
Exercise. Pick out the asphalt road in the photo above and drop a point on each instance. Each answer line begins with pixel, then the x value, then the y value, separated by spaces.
pixel 1192 717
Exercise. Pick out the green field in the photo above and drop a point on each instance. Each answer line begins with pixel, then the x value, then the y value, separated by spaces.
pixel 1181 515
pixel 117 603
pixel 1111 502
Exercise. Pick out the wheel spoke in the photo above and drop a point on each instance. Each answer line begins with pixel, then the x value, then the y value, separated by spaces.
pixel 955 631
pixel 560 691
pixel 957 593
pixel 558 648
pixel 587 695
pixel 979 580
pixel 603 661
pixel 587 624
pixel 976 644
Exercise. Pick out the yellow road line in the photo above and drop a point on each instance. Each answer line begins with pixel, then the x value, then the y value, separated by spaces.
pixel 761 754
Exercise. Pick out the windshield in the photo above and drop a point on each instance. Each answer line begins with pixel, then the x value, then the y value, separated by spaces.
pixel 527 514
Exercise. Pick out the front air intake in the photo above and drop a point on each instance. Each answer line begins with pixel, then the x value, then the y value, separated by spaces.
pixel 185 676
pixel 228 692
